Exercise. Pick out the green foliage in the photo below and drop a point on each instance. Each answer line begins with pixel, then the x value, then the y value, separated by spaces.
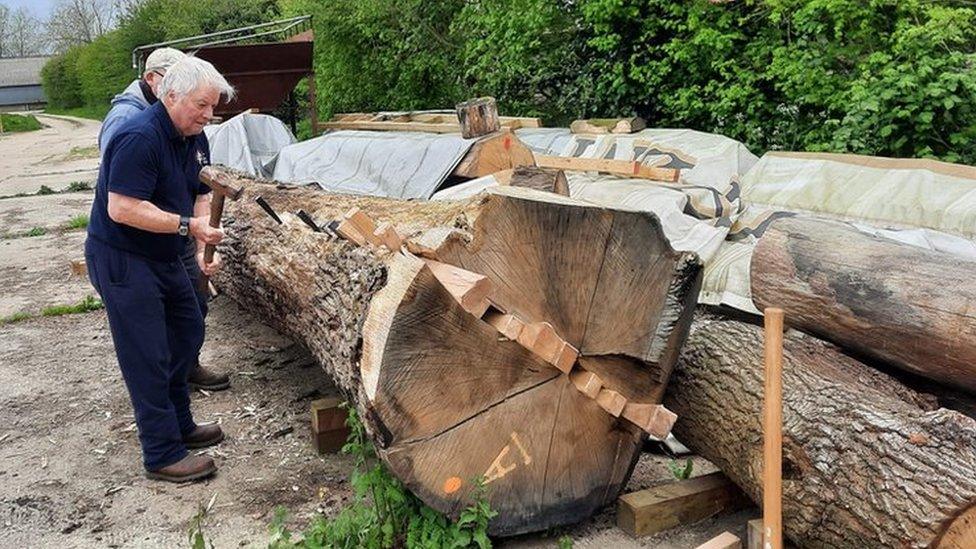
pixel 881 77
pixel 78 222
pixel 681 472
pixel 15 317
pixel 13 123
pixel 88 76
pixel 88 303
pixel 45 190
pixel 91 112
pixel 36 231
pixel 385 514
pixel 565 542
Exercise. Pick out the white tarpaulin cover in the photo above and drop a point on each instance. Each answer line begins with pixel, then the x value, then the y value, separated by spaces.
pixel 248 142
pixel 922 203
pixel 393 164
pixel 725 199
pixel 696 213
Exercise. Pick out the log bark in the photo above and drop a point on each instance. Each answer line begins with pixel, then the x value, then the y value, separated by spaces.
pixel 445 395
pixel 867 462
pixel 540 179
pixel 478 117
pixel 909 307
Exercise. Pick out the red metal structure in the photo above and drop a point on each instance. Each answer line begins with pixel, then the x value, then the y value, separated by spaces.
pixel 264 73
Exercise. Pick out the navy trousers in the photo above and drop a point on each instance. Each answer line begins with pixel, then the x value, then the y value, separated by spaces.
pixel 157 328
pixel 189 258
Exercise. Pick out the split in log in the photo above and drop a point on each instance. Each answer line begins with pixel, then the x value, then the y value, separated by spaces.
pixel 909 307
pixel 608 125
pixel 445 397
pixel 478 117
pixel 532 177
pixel 626 168
pixel 866 461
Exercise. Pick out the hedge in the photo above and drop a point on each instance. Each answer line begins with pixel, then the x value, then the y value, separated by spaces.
pixel 880 77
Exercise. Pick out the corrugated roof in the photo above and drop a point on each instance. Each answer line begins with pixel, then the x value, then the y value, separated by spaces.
pixel 21 71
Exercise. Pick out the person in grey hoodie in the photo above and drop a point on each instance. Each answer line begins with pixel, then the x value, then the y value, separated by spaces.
pixel 137 97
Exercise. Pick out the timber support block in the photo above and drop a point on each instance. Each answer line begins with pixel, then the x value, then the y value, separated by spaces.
pixel 663 507
pixel 329 430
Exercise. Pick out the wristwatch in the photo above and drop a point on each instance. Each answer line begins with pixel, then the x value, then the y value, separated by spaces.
pixel 184 225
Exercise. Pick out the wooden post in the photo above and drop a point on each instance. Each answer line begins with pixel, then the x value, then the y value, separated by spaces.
pixel 773 432
pixel 313 108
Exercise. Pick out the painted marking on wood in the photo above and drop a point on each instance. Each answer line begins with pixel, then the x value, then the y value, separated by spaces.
pixel 452 485
pixel 497 470
pixel 526 458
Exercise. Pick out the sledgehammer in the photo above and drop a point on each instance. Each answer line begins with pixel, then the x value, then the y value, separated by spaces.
pixel 223 185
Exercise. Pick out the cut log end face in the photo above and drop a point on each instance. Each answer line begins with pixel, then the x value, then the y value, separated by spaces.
pixel 470 390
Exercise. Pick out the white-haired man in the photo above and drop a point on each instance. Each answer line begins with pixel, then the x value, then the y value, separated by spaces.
pixel 137 97
pixel 147 199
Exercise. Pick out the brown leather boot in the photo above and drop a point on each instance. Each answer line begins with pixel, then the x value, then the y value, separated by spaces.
pixel 204 436
pixel 189 468
pixel 202 378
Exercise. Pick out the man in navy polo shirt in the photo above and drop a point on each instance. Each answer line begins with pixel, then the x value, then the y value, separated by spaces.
pixel 148 198
pixel 139 96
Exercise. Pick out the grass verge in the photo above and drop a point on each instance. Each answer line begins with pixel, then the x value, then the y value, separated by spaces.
pixel 90 112
pixel 15 123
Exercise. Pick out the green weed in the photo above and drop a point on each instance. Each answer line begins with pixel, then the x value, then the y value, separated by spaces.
pixel 16 317
pixel 36 231
pixel 87 304
pixel 385 514
pixel 78 222
pixel 77 186
pixel 681 472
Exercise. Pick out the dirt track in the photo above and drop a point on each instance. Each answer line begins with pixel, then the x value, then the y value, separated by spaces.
pixel 70 471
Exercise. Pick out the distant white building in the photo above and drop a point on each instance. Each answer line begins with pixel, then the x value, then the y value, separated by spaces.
pixel 20 82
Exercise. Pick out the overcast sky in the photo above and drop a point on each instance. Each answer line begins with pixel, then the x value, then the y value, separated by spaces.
pixel 40 8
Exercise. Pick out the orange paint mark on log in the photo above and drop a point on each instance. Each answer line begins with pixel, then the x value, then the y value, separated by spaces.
pixel 507 142
pixel 452 485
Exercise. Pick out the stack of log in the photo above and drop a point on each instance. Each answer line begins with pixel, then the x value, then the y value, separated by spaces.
pixel 527 339
pixel 868 461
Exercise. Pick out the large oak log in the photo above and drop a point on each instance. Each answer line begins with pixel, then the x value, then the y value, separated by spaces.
pixel 909 307
pixel 866 461
pixel 449 396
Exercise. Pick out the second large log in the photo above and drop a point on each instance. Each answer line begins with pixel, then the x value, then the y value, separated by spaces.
pixel 912 308
pixel 866 461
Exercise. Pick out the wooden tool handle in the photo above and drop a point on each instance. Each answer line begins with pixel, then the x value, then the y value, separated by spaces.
pixel 216 212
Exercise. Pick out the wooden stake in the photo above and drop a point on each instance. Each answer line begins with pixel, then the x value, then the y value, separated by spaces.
pixel 587 382
pixel 611 401
pixel 386 234
pixel 469 289
pixel 654 419
pixel 773 432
